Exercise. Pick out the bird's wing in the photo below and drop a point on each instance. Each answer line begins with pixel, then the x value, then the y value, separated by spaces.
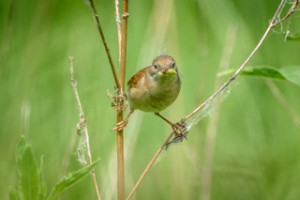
pixel 133 81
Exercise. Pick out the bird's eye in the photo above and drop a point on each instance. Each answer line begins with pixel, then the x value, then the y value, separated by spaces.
pixel 173 64
pixel 155 66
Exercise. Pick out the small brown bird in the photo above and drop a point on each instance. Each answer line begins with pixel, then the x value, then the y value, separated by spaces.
pixel 153 88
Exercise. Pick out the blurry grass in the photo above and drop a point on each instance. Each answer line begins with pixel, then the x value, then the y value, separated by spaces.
pixel 257 146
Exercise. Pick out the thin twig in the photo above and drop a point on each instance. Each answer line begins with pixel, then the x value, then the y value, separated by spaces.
pixel 159 150
pixel 291 11
pixel 112 66
pixel 82 125
pixel 120 136
pixel 273 23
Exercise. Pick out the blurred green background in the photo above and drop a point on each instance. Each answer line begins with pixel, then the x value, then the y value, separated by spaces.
pixel 257 143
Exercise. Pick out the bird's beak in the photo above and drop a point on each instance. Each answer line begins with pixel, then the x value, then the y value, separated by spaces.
pixel 169 71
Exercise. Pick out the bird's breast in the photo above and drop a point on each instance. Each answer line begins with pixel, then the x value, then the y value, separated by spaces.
pixel 153 96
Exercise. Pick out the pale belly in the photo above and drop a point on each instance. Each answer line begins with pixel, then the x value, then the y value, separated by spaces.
pixel 151 99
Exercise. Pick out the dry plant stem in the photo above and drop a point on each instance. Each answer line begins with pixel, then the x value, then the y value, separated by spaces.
pixel 82 123
pixel 112 66
pixel 272 24
pixel 120 136
pixel 120 160
pixel 123 43
pixel 159 150
pixel 118 21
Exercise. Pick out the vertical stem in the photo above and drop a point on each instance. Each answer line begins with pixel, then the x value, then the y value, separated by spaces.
pixel 120 138
pixel 120 159
pixel 123 43
pixel 82 125
pixel 118 21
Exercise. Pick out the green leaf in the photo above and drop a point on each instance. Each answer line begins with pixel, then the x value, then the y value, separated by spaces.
pixel 70 179
pixel 21 147
pixel 292 74
pixel 27 170
pixel 267 72
pixel 293 37
pixel 43 187
pixel 13 194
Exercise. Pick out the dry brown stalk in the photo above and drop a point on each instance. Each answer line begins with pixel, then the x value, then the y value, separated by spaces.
pixel 82 125
pixel 120 135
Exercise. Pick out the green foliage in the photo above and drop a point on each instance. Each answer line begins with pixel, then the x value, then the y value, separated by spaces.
pixel 290 74
pixel 31 183
pixel 70 179
pixel 293 37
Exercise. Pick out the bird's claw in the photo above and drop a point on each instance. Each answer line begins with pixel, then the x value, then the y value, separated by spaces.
pixel 120 125
pixel 181 130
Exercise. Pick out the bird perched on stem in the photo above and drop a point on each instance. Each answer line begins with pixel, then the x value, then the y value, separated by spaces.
pixel 154 88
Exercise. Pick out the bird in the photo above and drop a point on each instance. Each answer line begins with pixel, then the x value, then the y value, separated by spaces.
pixel 153 89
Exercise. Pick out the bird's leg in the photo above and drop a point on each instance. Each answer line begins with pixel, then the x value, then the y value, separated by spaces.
pixel 179 128
pixel 121 125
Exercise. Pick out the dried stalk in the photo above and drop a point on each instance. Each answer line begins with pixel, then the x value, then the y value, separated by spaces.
pixel 118 21
pixel 159 150
pixel 122 38
pixel 120 136
pixel 82 125
pixel 273 23
pixel 112 66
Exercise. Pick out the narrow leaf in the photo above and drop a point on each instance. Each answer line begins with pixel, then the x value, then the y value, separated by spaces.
pixel 267 72
pixel 13 194
pixel 70 179
pixel 292 74
pixel 21 147
pixel 28 176
pixel 43 188
pixel 29 180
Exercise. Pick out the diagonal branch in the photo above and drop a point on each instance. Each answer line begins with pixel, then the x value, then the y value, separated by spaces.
pixel 159 150
pixel 112 66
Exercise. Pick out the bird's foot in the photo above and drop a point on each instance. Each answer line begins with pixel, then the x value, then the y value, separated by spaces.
pixel 181 130
pixel 120 125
